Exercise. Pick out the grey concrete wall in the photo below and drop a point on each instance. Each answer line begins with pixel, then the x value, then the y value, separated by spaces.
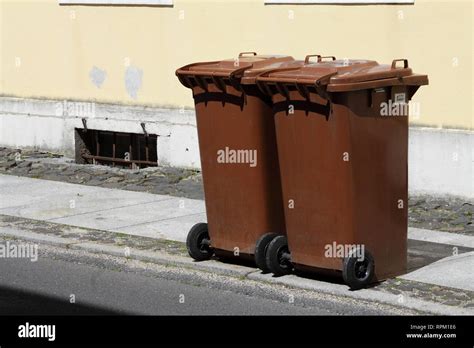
pixel 49 125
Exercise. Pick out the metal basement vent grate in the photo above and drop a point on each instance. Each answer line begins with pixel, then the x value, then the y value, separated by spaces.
pixel 128 150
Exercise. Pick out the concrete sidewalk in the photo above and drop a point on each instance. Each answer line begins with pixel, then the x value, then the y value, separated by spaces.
pixel 166 217
pixel 455 272
pixel 136 213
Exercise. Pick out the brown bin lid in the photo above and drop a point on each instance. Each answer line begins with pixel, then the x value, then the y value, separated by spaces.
pixel 245 69
pixel 345 75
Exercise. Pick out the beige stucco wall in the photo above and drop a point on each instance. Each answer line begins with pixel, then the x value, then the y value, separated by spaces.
pixel 48 50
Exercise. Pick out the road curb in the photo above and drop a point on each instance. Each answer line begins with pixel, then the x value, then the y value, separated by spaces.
pixel 213 266
pixel 37 237
pixel 165 259
pixel 364 294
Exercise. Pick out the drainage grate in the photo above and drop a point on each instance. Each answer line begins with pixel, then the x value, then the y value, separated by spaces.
pixel 128 150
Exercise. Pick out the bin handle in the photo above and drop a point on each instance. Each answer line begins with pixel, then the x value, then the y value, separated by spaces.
pixel 241 54
pixel 320 58
pixel 306 59
pixel 235 75
pixel 405 63
pixel 323 80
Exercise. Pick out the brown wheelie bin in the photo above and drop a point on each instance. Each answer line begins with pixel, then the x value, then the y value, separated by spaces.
pixel 239 159
pixel 342 136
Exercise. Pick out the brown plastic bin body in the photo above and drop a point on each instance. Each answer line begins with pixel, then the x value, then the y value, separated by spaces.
pixel 344 166
pixel 243 202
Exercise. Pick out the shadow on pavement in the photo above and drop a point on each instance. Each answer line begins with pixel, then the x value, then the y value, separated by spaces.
pixel 420 254
pixel 19 302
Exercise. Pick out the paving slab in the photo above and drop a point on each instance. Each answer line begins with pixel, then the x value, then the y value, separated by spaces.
pixel 173 229
pixel 145 217
pixel 76 204
pixel 31 194
pixel 137 213
pixel 454 271
pixel 441 237
pixel 17 192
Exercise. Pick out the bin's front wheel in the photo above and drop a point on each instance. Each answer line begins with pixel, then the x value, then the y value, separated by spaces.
pixel 199 243
pixel 358 269
pixel 261 248
pixel 278 256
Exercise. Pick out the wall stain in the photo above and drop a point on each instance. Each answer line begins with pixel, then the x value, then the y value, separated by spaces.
pixel 97 76
pixel 133 81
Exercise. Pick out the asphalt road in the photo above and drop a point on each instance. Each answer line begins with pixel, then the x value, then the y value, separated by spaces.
pixel 103 284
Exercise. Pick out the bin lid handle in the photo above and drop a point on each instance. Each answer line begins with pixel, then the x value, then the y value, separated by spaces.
pixel 405 63
pixel 320 57
pixel 306 59
pixel 323 57
pixel 241 54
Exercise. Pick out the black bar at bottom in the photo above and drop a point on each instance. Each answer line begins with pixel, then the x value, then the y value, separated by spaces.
pixel 135 330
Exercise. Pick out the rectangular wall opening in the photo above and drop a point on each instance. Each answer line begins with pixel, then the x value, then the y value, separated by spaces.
pixel 127 150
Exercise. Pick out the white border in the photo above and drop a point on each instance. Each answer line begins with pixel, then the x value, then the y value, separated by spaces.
pixel 339 2
pixel 117 2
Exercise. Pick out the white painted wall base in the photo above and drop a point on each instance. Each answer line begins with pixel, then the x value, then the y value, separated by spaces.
pixel 441 161
pixel 47 124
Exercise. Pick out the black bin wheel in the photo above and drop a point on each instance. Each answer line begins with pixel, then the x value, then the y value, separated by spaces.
pixel 198 242
pixel 261 248
pixel 278 256
pixel 358 272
